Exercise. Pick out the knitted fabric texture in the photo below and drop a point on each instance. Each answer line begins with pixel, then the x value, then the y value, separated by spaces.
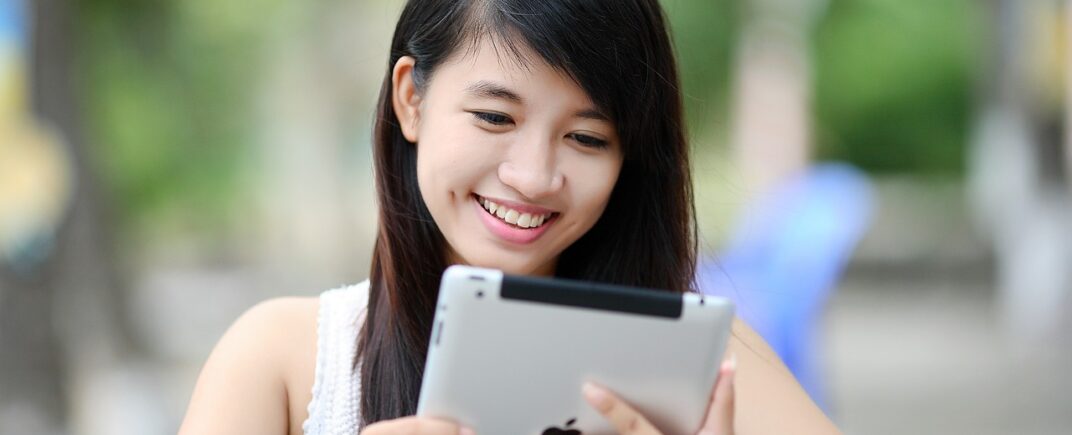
pixel 337 386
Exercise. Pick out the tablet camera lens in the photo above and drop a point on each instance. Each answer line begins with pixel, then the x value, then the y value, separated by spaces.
pixel 479 294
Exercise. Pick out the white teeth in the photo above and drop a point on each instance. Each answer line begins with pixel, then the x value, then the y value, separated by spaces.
pixel 523 220
pixel 511 217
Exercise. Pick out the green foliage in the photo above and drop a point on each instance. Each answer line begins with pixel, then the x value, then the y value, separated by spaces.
pixel 704 33
pixel 168 103
pixel 894 81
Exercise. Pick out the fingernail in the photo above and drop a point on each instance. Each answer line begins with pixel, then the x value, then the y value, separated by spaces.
pixel 596 396
pixel 466 431
pixel 729 364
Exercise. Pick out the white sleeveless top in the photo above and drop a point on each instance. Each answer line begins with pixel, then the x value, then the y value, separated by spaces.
pixel 337 386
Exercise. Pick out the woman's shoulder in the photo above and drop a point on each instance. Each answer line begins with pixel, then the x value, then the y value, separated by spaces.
pixel 766 387
pixel 284 327
pixel 295 349
pixel 298 318
pixel 267 356
pixel 243 384
pixel 298 328
pixel 746 341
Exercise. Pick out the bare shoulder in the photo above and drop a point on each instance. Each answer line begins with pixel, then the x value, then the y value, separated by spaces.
pixel 245 385
pixel 768 398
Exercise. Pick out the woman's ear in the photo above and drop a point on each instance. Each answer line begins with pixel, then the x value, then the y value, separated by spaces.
pixel 405 98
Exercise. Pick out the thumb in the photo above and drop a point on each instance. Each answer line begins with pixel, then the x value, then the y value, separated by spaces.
pixel 719 419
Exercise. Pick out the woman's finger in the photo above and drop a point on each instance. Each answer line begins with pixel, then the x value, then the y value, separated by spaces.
pixel 719 419
pixel 416 426
pixel 625 419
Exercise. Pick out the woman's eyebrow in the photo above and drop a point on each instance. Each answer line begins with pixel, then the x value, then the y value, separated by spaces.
pixel 592 114
pixel 486 89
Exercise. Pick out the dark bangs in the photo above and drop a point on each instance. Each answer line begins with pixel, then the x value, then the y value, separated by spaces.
pixel 617 51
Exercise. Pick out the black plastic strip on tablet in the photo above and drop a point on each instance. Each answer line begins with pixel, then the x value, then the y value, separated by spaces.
pixel 591 295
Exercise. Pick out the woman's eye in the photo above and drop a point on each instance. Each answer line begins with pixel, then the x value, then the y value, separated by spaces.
pixel 589 141
pixel 492 118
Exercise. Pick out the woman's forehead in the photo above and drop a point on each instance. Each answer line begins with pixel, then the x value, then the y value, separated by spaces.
pixel 509 71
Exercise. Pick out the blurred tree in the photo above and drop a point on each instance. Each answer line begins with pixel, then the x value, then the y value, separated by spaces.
pixel 64 306
pixel 1017 178
pixel 894 81
pixel 169 89
pixel 704 34
pixel 771 108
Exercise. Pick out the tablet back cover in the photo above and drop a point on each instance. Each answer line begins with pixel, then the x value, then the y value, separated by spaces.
pixel 509 356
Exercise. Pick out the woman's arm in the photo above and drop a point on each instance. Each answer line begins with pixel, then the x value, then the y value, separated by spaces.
pixel 242 387
pixel 769 400
pixel 755 395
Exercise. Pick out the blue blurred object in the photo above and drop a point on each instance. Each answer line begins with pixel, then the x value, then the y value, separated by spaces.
pixel 785 258
pixel 12 22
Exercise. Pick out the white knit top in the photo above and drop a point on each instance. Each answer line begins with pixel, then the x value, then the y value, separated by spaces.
pixel 337 386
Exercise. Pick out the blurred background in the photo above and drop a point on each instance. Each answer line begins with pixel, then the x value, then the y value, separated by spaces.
pixel 884 186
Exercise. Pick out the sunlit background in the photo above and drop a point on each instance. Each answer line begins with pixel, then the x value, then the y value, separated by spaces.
pixel 884 186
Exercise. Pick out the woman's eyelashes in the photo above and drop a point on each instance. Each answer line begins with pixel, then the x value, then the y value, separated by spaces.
pixel 492 118
pixel 589 141
pixel 500 120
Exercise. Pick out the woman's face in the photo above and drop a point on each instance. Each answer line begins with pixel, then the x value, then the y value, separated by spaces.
pixel 514 162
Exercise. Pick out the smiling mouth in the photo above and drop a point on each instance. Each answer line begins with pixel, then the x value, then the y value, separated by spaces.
pixel 514 218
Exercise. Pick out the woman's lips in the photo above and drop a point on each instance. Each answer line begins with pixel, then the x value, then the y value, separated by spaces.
pixel 508 232
pixel 520 207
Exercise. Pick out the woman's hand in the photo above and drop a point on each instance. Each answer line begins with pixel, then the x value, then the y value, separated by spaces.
pixel 416 426
pixel 627 421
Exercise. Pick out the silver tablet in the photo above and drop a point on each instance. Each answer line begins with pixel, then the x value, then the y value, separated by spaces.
pixel 508 354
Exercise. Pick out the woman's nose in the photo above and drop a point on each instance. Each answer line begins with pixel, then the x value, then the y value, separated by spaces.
pixel 531 169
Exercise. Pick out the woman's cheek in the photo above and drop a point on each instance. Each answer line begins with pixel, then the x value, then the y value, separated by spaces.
pixel 596 180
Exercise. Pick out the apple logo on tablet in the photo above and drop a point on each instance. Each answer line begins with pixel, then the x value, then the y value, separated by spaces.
pixel 562 431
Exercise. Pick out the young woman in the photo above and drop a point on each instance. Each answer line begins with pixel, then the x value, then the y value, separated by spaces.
pixel 536 137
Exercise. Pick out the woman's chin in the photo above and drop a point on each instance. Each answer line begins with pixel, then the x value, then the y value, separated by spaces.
pixel 511 266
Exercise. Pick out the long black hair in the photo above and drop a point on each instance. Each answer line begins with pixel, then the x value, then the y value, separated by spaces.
pixel 620 53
